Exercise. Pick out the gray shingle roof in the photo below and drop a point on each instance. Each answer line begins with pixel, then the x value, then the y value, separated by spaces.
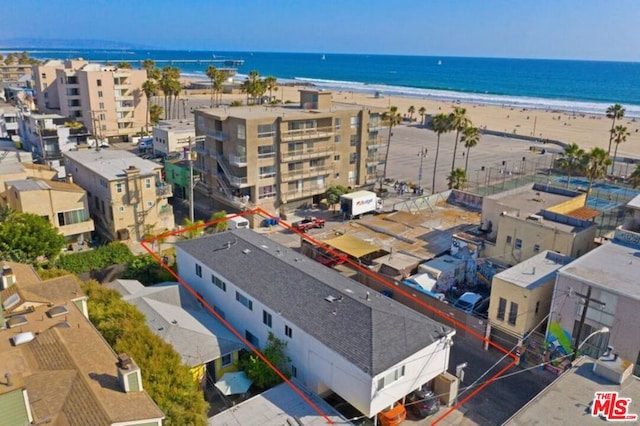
pixel 372 334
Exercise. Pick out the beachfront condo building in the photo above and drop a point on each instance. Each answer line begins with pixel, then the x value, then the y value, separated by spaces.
pixel 127 195
pixel 280 157
pixel 171 138
pixel 108 100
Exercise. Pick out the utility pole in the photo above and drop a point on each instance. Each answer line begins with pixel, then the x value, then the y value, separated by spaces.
pixel 422 154
pixel 191 214
pixel 583 317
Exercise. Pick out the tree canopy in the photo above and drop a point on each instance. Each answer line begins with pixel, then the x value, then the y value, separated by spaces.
pixel 221 224
pixel 29 238
pixel 111 254
pixel 258 371
pixel 167 381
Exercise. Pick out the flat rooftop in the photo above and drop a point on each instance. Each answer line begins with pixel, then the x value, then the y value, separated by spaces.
pixel 276 407
pixel 368 329
pixel 111 163
pixel 287 112
pixel 534 271
pixel 567 401
pixel 530 199
pixel 42 185
pixel 177 126
pixel 613 267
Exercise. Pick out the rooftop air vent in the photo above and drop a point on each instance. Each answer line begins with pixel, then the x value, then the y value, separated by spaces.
pixel 56 311
pixel 246 251
pixel 17 321
pixel 330 299
pixel 124 361
pixel 21 338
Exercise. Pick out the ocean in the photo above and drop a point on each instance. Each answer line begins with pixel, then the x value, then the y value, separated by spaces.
pixel 577 86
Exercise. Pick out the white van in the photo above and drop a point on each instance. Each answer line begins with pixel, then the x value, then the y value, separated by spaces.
pixel 237 222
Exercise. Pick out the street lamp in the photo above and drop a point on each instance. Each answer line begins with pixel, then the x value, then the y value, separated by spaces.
pixel 422 154
pixel 599 331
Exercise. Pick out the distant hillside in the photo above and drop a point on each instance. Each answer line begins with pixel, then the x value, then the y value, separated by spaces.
pixel 37 43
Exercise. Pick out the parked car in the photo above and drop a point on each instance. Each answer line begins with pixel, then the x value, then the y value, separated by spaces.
pixel 467 302
pixel 423 403
pixel 393 416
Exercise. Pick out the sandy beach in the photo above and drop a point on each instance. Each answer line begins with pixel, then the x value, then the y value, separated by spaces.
pixel 586 130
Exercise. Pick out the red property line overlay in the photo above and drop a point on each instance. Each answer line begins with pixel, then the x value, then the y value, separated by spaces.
pixel 366 271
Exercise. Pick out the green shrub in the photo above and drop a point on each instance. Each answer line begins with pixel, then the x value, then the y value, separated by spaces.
pixel 111 254
pixel 147 270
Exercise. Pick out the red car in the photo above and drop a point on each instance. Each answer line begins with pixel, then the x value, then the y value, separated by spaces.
pixel 309 222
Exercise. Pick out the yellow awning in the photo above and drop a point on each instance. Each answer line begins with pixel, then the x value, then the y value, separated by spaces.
pixel 354 247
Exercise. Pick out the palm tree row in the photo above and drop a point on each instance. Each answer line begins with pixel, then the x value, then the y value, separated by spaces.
pixel 217 77
pixel 255 87
pixel 592 164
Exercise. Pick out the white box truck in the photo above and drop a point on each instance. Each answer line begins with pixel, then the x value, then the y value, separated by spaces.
pixel 237 222
pixel 357 203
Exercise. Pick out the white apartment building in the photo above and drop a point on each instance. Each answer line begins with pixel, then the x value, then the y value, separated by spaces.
pixel 341 337
pixel 171 137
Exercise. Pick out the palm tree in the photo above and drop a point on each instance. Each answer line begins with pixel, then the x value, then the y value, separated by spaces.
pixel 422 111
pixel 619 135
pixel 149 87
pixel 614 112
pixel 124 65
pixel 155 113
pixel 211 73
pixel 411 111
pixel 272 84
pixel 634 178
pixel 218 84
pixel 470 138
pixel 439 124
pixel 595 164
pixel 392 118
pixel 570 160
pixel 148 65
pixel 459 121
pixel 457 179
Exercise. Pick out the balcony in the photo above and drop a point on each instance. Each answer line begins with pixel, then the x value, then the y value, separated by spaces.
pixel 49 133
pixel 303 193
pixel 376 143
pixel 163 190
pixel 125 97
pixel 126 106
pixel 234 180
pixel 217 135
pixel 201 148
pixel 237 160
pixel 375 159
pixel 305 154
pixel 125 119
pixel 307 134
pixel 305 173
pixel 77 228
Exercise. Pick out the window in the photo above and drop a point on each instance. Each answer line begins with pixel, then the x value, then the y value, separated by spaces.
pixel 244 301
pixel 266 151
pixel 537 306
pixel 353 157
pixel 101 105
pixel 266 319
pixel 390 377
pixel 536 248
pixel 288 331
pixel 218 283
pixel 316 163
pixel 338 124
pixel 118 187
pixel 226 360
pixel 71 217
pixel 147 183
pixel 218 311
pixel 353 140
pixel 294 371
pixel 241 131
pixel 355 122
pixel 99 93
pixel 121 209
pixel 266 130
pixel 251 338
pixel 338 138
pixel 99 83
pixel 149 203
pixel 513 313
pixel 198 270
pixel 268 191
pixel 102 117
pixel 508 239
pixel 44 76
pixel 518 244
pixel 502 308
pixel 267 172
pixel 104 127
pixel 336 158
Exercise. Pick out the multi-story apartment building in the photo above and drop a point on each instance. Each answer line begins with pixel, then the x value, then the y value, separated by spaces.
pixel 108 100
pixel 340 337
pixel 127 195
pixel 604 282
pixel 172 137
pixel 275 157
pixel 8 121
pixel 63 204
pixel 14 74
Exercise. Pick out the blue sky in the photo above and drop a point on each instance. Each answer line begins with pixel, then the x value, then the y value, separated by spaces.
pixel 562 29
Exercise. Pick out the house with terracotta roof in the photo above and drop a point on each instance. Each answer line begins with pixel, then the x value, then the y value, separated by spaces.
pixel 57 368
pixel 64 204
